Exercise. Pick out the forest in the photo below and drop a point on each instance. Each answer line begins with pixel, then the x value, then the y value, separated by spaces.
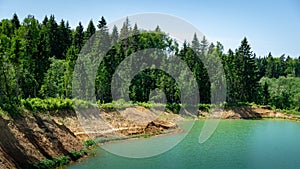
pixel 38 58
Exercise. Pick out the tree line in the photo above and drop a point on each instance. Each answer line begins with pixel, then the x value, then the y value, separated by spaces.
pixel 37 59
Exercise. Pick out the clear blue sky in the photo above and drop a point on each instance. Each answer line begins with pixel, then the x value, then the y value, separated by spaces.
pixel 269 25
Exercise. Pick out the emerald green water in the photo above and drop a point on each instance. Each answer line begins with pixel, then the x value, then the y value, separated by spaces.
pixel 235 144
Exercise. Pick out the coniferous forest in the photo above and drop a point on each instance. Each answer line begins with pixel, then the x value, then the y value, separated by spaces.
pixel 37 60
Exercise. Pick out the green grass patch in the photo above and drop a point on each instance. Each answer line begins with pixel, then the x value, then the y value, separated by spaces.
pixel 49 104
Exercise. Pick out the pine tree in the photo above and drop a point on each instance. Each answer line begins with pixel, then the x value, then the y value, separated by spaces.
pixel 45 20
pixel 124 33
pixel 157 29
pixel 78 38
pixel 102 23
pixel 270 68
pixel 15 22
pixel 16 58
pixel 63 39
pixel 29 32
pixel 249 76
pixel 134 39
pixel 203 47
pixel 53 36
pixel 266 93
pixel 114 35
pixel 195 43
pixel 104 42
pixel 91 30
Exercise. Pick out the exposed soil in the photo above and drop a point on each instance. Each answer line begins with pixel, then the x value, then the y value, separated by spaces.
pixel 35 137
pixel 252 112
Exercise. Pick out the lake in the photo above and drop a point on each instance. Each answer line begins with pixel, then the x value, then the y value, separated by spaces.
pixel 235 144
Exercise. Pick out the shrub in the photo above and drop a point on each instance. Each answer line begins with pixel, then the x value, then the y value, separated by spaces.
pixel 89 143
pixel 144 104
pixel 204 107
pixel 173 107
pixel 75 155
pixel 45 164
pixel 52 163
pixel 37 104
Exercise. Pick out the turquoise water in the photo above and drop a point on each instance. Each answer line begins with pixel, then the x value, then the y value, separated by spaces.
pixel 235 144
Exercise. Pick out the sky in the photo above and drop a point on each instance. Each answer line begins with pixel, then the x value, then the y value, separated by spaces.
pixel 269 25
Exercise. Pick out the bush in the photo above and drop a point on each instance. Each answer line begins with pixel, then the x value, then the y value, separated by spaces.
pixel 45 164
pixel 52 163
pixel 75 155
pixel 37 104
pixel 108 106
pixel 204 107
pixel 89 143
pixel 173 107
pixel 144 104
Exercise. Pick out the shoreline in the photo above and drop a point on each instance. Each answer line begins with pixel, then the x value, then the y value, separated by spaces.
pixel 139 136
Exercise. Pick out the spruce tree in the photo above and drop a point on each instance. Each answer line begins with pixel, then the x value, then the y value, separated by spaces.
pixel 249 75
pixel 78 38
pixel 91 30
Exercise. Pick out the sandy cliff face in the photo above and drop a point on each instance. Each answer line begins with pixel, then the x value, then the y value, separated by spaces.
pixel 251 112
pixel 33 138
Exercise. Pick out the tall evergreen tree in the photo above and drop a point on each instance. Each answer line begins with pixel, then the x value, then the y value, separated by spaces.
pixel 78 37
pixel 203 46
pixel 195 43
pixel 53 36
pixel 15 22
pixel 124 32
pixel 249 76
pixel 64 39
pixel 91 30
pixel 114 35
pixel 102 23
pixel 266 93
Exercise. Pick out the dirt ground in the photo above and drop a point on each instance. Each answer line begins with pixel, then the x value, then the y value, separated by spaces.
pixel 34 138
pixel 251 112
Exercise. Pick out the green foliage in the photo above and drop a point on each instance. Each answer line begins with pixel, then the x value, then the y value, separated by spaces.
pixel 37 104
pixel 33 65
pixel 297 101
pixel 121 104
pixel 144 104
pixel 173 107
pixel 242 74
pixel 45 164
pixel 204 107
pixel 89 144
pixel 75 155
pixel 82 104
pixel 53 85
pixel 52 163
pixel 284 92
pixel 238 104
